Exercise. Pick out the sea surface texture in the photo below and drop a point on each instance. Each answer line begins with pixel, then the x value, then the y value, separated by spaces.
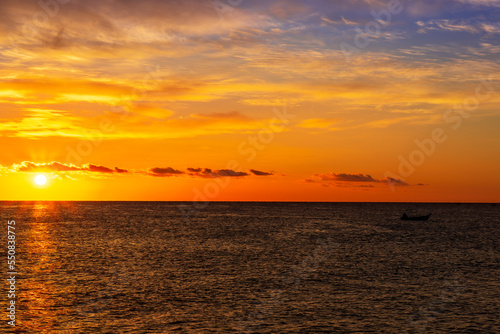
pixel 167 267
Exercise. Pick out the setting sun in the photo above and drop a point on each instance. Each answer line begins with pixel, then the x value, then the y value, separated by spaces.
pixel 40 179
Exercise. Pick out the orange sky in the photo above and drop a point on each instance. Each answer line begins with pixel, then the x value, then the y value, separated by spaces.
pixel 254 100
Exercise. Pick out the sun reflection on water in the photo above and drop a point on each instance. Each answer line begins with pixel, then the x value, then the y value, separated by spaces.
pixel 40 268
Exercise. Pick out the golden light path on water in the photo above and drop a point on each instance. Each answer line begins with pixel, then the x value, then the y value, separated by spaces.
pixel 37 288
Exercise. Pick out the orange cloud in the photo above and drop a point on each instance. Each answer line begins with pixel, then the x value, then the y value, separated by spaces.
pixel 31 167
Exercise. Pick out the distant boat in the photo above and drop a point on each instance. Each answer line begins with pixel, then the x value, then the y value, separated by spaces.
pixel 406 217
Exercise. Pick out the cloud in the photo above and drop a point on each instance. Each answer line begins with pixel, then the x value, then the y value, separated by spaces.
pixel 201 172
pixel 121 171
pixel 341 21
pixel 99 169
pixel 57 167
pixel 343 177
pixel 260 173
pixel 138 123
pixel 353 180
pixel 471 26
pixel 231 173
pixel 135 21
pixel 398 182
pixel 209 173
pixel 164 172
pixel 31 167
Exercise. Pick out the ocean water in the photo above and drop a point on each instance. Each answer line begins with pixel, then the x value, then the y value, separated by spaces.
pixel 166 267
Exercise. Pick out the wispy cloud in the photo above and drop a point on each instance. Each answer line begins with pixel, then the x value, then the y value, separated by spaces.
pixel 458 25
pixel 341 21
pixel 491 3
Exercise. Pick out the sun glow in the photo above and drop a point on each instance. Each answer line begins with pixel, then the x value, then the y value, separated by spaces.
pixel 40 180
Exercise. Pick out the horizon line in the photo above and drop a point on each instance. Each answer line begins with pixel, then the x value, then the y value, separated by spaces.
pixel 277 201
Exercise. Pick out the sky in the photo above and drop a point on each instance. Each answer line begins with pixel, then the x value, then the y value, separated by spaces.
pixel 250 100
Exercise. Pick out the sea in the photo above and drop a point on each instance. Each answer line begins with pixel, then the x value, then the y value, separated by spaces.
pixel 249 267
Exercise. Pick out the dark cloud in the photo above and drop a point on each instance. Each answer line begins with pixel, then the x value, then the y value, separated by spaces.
pixel 201 172
pixel 344 177
pixel 353 180
pixel 209 173
pixel 121 171
pixel 397 182
pixel 259 173
pixel 230 172
pixel 99 169
pixel 31 167
pixel 164 172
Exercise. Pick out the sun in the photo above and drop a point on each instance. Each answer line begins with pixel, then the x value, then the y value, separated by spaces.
pixel 40 179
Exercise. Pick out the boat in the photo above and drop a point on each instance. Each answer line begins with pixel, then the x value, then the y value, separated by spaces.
pixel 406 217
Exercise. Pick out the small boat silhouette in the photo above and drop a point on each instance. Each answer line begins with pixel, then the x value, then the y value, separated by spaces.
pixel 406 217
